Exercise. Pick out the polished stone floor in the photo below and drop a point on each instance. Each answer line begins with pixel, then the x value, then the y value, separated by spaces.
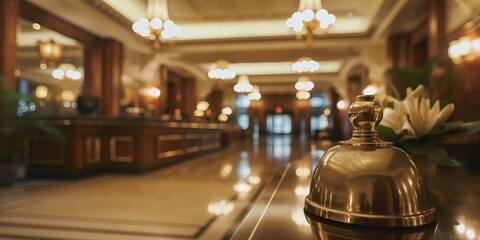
pixel 201 198
pixel 253 188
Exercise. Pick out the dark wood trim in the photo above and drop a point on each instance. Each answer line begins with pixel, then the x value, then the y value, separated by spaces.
pixel 419 34
pixel 397 51
pixel 47 19
pixel 91 43
pixel 92 84
pixel 436 26
pixel 8 40
pixel 112 73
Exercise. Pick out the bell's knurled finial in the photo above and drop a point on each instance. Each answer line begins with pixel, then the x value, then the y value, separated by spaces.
pixel 365 114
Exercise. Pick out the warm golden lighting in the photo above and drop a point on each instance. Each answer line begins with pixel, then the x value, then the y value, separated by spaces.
pixel 156 28
pixel 305 65
pixel 341 105
pixel 41 91
pixel 36 26
pixel 221 71
pixel 203 105
pixel 302 191
pixel 222 117
pixel 311 19
pixel 243 85
pixel 371 90
pixel 470 234
pixel 298 217
pixel 304 84
pixel 302 95
pixel 242 187
pixel 464 50
pixel 255 95
pixel 227 111
pixel 221 207
pixel 254 180
pixel 226 170
pixel 67 95
pixel 49 53
pixel 67 71
pixel 198 113
pixel 302 172
pixel 151 92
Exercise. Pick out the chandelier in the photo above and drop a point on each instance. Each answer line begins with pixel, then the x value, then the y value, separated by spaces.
pixel 464 49
pixel 255 95
pixel 67 71
pixel 156 28
pixel 305 65
pixel 221 71
pixel 302 95
pixel 304 84
pixel 243 85
pixel 49 52
pixel 310 19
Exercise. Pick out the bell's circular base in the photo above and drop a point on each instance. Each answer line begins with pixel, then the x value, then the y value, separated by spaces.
pixel 323 229
pixel 366 219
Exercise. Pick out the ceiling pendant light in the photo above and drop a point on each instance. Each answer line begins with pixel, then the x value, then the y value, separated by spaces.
pixel 305 65
pixel 255 95
pixel 243 85
pixel 311 19
pixel 303 95
pixel 304 84
pixel 67 71
pixel 49 52
pixel 221 71
pixel 156 28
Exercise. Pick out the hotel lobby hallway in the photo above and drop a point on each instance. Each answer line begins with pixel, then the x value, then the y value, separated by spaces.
pixel 204 197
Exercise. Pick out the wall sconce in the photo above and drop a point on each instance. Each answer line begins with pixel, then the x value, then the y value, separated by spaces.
pixel 49 53
pixel 41 91
pixel 464 50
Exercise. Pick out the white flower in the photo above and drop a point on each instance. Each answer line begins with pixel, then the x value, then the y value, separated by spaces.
pixel 422 118
pixel 396 119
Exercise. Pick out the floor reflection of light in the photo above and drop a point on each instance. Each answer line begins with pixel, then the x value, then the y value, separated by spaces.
pixel 460 228
pixel 243 168
pixel 226 170
pixel 256 147
pixel 302 172
pixel 254 180
pixel 221 207
pixel 298 217
pixel 302 191
pixel 242 187
pixel 470 234
pixel 279 147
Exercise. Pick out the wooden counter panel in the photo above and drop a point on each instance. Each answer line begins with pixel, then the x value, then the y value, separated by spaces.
pixel 129 146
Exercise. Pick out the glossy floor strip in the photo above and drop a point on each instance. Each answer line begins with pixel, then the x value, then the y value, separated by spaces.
pixel 200 198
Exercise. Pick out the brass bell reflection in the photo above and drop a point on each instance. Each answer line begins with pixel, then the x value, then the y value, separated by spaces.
pixel 367 181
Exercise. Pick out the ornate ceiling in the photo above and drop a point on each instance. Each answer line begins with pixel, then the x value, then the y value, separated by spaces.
pixel 251 35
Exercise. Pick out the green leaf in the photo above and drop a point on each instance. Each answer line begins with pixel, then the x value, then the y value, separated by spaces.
pixel 387 133
pixel 453 128
pixel 433 152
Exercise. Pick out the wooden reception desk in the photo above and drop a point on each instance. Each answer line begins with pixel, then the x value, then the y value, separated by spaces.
pixel 81 147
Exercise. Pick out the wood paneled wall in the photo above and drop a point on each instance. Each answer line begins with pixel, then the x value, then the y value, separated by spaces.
pixel 429 40
pixel 8 40
pixel 112 73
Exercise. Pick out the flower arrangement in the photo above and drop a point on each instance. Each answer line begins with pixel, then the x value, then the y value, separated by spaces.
pixel 418 127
